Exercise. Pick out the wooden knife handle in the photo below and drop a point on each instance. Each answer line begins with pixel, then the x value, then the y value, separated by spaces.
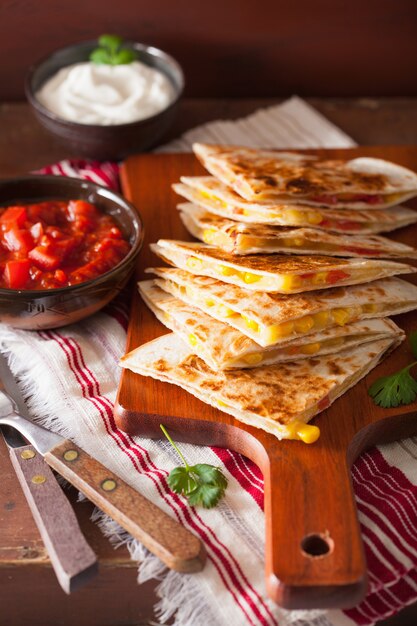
pixel 72 558
pixel 176 546
pixel 314 548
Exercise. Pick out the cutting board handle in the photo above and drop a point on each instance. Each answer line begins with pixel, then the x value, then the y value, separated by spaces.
pixel 321 559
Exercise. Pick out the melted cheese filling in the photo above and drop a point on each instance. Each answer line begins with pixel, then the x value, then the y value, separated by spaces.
pixel 285 331
pixel 284 283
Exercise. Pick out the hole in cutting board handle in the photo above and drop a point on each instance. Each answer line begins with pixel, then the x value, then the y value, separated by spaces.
pixel 317 545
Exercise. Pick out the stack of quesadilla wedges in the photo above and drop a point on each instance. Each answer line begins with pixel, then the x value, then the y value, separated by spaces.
pixel 285 304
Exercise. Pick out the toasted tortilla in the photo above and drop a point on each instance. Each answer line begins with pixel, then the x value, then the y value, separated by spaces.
pixel 261 174
pixel 219 199
pixel 240 238
pixel 271 319
pixel 223 347
pixel 275 273
pixel 276 398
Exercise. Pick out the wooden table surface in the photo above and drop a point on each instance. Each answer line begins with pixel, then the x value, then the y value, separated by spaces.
pixel 114 598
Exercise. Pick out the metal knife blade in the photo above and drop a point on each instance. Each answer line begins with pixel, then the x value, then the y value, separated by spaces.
pixel 72 558
pixel 176 546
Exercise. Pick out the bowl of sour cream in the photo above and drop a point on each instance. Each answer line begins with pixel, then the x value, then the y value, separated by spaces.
pixel 105 111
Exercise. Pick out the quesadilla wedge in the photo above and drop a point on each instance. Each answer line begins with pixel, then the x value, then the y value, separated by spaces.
pixel 279 399
pixel 262 174
pixel 275 273
pixel 214 196
pixel 239 238
pixel 223 347
pixel 271 319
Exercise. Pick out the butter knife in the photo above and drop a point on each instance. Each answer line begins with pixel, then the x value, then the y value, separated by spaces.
pixel 176 546
pixel 73 560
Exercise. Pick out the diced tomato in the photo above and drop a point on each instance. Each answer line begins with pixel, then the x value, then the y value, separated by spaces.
pixel 83 214
pixel 323 403
pixel 16 273
pixel 60 276
pixel 18 240
pixel 335 276
pixel 325 199
pixel 114 233
pixel 37 231
pixel 56 243
pixel 79 208
pixel 13 217
pixel 349 225
pixel 362 251
pixel 44 258
pixel 368 198
pixel 307 275
pixel 64 246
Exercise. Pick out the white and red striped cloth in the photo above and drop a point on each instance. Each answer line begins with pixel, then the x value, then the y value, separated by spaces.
pixel 72 374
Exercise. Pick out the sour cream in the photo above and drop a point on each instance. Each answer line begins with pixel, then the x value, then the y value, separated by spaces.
pixel 88 93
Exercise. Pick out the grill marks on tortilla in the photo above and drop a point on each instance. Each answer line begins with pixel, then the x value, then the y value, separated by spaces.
pixel 257 390
pixel 254 173
pixel 303 177
pixel 272 263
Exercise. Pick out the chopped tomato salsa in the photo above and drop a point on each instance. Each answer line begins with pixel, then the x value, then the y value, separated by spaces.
pixel 353 197
pixel 56 244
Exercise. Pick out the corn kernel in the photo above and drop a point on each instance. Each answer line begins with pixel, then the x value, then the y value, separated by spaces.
pixel 249 278
pixel 250 323
pixel 341 316
pixel 288 283
pixel 221 403
pixel 192 339
pixel 303 432
pixel 194 264
pixel 278 331
pixel 209 235
pixel 225 270
pixel 314 217
pixel 294 216
pixel 311 348
pixel 321 319
pixel 224 311
pixel 319 278
pixel 304 324
pixel 370 308
pixel 293 243
pixel 210 302
pixel 253 359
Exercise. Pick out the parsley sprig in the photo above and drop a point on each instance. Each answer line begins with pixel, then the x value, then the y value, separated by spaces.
pixel 399 388
pixel 111 51
pixel 202 484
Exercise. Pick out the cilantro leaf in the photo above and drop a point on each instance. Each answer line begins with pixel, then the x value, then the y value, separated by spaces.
pixel 111 42
pixel 100 57
pixel 181 481
pixel 111 51
pixel 391 391
pixel 123 57
pixel 203 484
pixel 206 495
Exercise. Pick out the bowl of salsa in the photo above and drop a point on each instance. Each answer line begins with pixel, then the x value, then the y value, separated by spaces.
pixel 67 247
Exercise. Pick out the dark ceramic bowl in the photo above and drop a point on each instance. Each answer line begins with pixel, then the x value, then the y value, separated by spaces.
pixel 97 141
pixel 51 308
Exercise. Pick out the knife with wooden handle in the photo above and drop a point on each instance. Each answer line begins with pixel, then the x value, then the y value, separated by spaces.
pixel 73 560
pixel 176 546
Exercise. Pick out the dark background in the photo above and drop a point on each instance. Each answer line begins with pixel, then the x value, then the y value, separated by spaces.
pixel 233 48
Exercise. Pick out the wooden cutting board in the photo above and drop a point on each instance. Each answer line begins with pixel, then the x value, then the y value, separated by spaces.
pixel 314 552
